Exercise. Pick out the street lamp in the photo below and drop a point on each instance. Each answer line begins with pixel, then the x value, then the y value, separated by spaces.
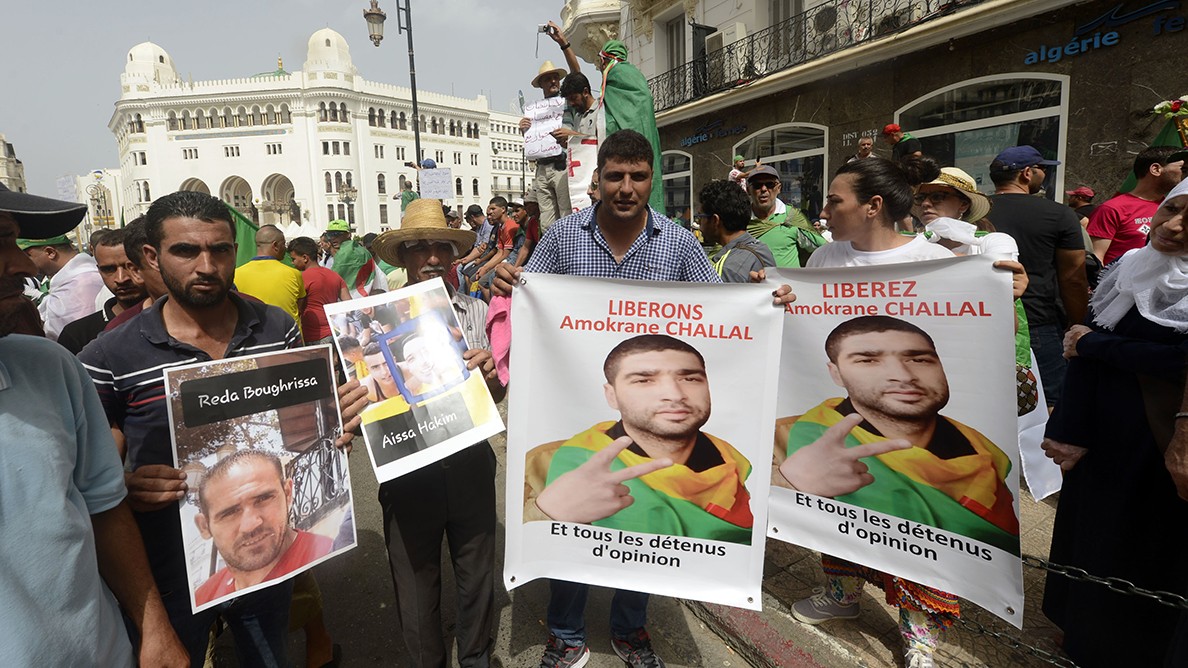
pixel 375 28
pixel 348 195
pixel 97 216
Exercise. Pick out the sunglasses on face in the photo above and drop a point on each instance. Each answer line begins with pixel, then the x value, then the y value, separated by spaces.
pixel 934 197
pixel 760 185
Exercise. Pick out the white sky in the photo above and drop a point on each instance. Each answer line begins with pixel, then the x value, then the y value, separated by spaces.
pixel 62 59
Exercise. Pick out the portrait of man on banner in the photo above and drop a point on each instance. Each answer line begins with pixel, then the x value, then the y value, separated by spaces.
pixel 663 473
pixel 887 447
pixel 270 495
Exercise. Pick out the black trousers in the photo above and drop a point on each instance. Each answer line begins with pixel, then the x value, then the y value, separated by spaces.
pixel 454 498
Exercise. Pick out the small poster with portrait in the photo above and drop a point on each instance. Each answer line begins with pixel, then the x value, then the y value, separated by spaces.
pixel 269 493
pixel 409 350
pixel 896 436
pixel 640 436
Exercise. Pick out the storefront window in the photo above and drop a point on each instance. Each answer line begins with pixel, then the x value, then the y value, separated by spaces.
pixel 797 152
pixel 677 170
pixel 967 124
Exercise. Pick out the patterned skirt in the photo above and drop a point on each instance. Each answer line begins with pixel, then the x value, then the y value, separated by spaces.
pixel 941 607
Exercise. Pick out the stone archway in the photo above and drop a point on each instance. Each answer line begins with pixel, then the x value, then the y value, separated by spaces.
pixel 277 196
pixel 195 185
pixel 236 192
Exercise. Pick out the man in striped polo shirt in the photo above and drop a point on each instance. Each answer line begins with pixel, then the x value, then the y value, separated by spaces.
pixel 191 241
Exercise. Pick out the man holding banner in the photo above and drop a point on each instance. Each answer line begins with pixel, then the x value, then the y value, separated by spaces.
pixel 950 476
pixel 191 241
pixel 452 498
pixel 621 237
pixel 696 487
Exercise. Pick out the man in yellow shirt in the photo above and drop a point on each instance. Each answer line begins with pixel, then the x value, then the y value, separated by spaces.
pixel 268 279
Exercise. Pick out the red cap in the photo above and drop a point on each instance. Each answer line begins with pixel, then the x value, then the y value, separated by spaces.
pixel 891 128
pixel 1083 191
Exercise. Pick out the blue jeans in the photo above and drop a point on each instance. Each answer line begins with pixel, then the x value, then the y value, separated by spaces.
pixel 259 621
pixel 567 611
pixel 1047 342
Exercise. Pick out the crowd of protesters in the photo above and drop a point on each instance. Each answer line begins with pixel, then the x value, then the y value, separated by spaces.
pixel 165 290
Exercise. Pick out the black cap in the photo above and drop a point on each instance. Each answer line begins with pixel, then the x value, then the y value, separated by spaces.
pixel 40 217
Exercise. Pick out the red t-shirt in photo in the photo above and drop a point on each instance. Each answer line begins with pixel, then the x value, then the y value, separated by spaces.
pixel 507 233
pixel 322 286
pixel 306 548
pixel 1125 220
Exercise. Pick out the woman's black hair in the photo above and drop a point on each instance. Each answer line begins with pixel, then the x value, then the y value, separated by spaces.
pixel 887 179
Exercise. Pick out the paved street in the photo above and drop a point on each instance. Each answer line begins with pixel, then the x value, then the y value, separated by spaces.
pixel 358 603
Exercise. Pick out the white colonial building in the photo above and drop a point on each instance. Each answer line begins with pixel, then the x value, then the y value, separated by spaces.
pixel 12 172
pixel 298 147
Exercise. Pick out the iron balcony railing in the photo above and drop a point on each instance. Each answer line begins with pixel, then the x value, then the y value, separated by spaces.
pixel 822 30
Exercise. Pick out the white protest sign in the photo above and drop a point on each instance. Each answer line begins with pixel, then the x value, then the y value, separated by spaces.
pixel 677 355
pixel 235 424
pixel 583 159
pixel 406 347
pixel 545 116
pixel 924 352
pixel 437 184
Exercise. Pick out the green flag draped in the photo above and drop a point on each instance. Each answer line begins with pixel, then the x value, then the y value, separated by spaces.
pixel 245 236
pixel 629 105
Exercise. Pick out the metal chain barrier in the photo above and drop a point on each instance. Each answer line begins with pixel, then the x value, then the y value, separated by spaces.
pixel 1016 644
pixel 1113 584
pixel 1118 585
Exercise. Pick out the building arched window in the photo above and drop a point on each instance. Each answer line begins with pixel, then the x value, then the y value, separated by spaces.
pixel 403 121
pixel 171 121
pixel 329 183
pixel 285 116
pixel 138 126
pixel 270 115
pixel 241 119
pixel 333 111
pixel 344 115
pixel 327 42
pixel 968 123
pixel 422 123
pixel 458 187
pixel 212 118
pixel 228 119
pixel 474 187
pixel 147 196
pixel 337 181
pixel 256 120
pixel 323 116
pixel 402 181
pixel 797 152
pixel 371 116
pixel 187 123
pixel 381 184
pixel 348 179
pixel 676 168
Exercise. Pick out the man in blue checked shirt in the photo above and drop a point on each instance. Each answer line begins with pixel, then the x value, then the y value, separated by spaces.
pixel 619 237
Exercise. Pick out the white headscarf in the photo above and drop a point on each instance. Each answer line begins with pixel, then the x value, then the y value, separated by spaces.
pixel 1154 282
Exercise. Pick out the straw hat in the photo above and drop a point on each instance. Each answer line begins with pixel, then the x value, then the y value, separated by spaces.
pixel 548 68
pixel 963 183
pixel 422 221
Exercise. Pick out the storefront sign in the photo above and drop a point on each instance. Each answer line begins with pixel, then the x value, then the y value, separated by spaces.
pixel 712 130
pixel 1100 32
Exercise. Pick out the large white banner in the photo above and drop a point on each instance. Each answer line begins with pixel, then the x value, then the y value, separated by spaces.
pixel 640 432
pixel 545 116
pixel 897 431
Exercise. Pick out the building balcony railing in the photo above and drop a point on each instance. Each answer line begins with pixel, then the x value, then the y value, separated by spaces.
pixel 825 29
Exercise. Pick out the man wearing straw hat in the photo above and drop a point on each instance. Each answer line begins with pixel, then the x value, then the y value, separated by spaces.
pixel 454 497
pixel 551 183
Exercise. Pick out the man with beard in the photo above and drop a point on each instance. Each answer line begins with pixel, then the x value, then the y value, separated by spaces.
pixel 191 242
pixel 681 480
pixel 120 277
pixel 886 447
pixel 453 498
pixel 73 559
pixel 243 505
